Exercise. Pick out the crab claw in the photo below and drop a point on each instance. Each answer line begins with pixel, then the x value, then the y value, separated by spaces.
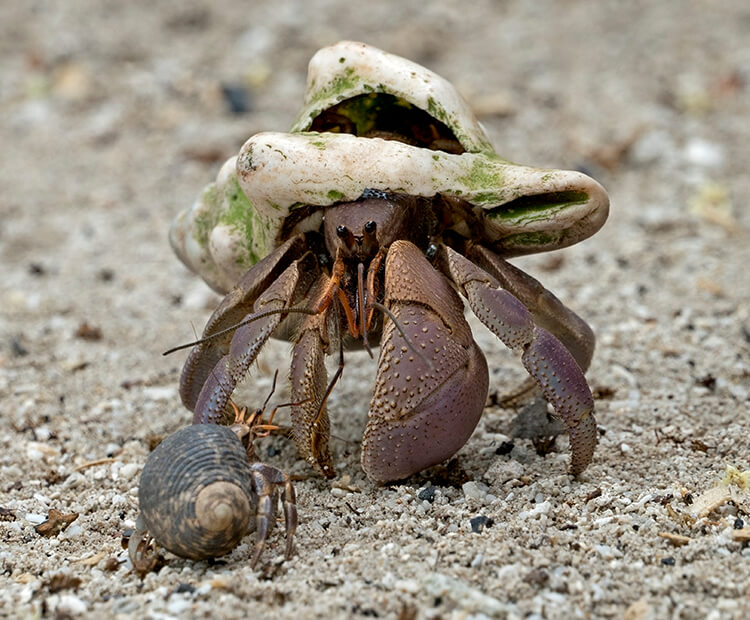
pixel 430 390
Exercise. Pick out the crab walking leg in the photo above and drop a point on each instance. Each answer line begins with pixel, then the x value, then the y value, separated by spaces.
pixel 546 309
pixel 309 380
pixel 421 414
pixel 233 308
pixel 246 343
pixel 266 479
pixel 546 359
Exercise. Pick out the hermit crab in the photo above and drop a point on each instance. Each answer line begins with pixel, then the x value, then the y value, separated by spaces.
pixel 367 223
pixel 201 487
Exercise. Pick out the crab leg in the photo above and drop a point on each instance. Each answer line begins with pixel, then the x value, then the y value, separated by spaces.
pixel 244 347
pixel 309 380
pixel 421 414
pixel 265 479
pixel 233 308
pixel 546 309
pixel 546 359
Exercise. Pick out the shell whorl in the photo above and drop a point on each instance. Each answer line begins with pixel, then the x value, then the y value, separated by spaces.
pixel 195 494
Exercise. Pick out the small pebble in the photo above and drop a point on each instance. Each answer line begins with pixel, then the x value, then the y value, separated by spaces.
pixel 128 470
pixel 668 561
pixel 474 490
pixel 72 531
pixel 505 448
pixel 177 605
pixel 406 585
pixel 160 392
pixel 480 522
pixel 738 524
pixel 35 518
pixel 427 494
pixel 70 605
pixel 704 153
pixel 42 433
pixel 607 552
pixel 237 98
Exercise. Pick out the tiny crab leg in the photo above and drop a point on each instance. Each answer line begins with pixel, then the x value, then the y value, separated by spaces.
pixel 265 479
pixel 546 359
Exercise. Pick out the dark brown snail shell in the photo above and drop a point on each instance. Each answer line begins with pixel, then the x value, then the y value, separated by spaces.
pixel 195 495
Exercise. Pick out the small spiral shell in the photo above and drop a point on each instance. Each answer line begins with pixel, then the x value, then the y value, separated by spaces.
pixel 196 494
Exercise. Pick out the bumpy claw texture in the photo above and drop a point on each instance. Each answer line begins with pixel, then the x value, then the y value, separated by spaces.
pixel 426 403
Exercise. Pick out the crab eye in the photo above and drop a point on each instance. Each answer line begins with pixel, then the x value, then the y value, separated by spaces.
pixel 342 231
pixel 370 226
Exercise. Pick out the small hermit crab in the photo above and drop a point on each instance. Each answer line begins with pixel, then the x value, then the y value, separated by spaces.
pixel 364 224
pixel 201 487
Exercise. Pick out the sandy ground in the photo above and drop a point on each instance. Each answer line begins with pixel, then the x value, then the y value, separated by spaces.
pixel 111 120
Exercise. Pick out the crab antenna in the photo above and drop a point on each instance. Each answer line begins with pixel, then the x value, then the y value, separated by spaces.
pixel 409 343
pixel 273 389
pixel 231 328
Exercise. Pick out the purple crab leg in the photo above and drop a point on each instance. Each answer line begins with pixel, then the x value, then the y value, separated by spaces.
pixel 546 309
pixel 233 308
pixel 244 348
pixel 546 359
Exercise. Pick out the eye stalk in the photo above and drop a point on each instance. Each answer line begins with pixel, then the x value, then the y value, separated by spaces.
pixel 346 235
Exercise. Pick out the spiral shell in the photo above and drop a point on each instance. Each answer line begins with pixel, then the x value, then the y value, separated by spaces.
pixel 196 495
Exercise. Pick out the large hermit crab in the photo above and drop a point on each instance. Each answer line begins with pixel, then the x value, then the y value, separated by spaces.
pixel 365 223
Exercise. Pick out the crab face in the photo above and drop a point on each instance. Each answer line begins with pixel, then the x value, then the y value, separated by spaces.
pixel 391 181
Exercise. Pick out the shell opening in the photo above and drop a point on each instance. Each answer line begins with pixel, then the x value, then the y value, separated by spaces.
pixel 534 203
pixel 380 115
